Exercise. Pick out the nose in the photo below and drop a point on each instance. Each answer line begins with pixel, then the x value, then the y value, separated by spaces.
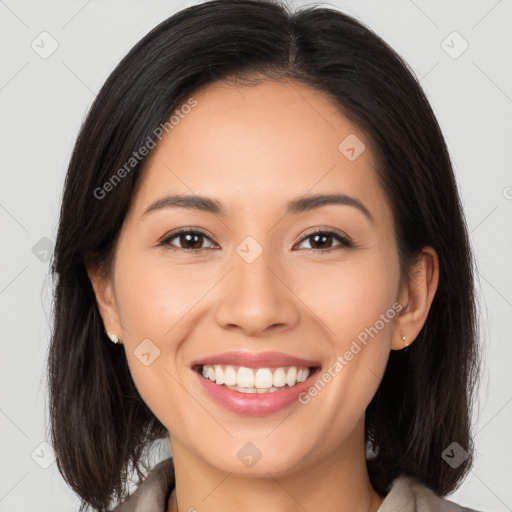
pixel 257 297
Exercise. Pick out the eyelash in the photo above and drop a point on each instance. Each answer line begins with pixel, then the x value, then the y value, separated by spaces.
pixel 345 243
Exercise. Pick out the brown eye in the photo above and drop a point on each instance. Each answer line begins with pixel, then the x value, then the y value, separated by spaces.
pixel 187 239
pixel 323 241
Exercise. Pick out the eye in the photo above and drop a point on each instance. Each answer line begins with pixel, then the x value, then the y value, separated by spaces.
pixel 325 238
pixel 189 239
pixel 192 240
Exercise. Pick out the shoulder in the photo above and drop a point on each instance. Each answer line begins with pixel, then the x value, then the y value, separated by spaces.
pixel 410 495
pixel 153 493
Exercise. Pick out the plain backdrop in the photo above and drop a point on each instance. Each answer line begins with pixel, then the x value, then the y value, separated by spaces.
pixel 56 55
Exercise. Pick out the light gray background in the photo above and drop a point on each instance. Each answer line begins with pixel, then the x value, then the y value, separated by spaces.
pixel 43 101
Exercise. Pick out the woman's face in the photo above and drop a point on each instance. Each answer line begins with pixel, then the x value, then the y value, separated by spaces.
pixel 262 281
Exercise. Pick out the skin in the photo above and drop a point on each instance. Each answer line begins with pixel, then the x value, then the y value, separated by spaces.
pixel 254 149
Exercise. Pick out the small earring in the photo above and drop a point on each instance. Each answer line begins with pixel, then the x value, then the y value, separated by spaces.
pixel 404 338
pixel 113 338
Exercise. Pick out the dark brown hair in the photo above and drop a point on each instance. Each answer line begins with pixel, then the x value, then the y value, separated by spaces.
pixel 100 426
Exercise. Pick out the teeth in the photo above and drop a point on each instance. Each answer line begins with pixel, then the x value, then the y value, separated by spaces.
pixel 245 377
pixel 263 378
pixel 291 376
pixel 229 376
pixel 253 390
pixel 219 375
pixel 302 374
pixel 279 378
pixel 255 380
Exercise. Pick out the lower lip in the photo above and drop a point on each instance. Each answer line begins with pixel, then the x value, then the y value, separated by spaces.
pixel 255 404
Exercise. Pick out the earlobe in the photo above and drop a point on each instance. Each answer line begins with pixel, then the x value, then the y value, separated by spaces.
pixel 416 297
pixel 103 290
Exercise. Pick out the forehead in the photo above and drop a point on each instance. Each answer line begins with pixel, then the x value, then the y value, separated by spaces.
pixel 259 145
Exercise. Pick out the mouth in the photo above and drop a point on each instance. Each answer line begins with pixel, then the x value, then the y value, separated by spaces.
pixel 255 390
pixel 255 380
pixel 250 384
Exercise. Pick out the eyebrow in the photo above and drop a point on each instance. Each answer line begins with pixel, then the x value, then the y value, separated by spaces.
pixel 300 205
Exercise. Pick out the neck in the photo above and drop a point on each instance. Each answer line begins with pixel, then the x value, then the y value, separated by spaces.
pixel 337 481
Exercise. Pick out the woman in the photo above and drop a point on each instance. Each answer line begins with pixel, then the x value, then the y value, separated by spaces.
pixel 262 255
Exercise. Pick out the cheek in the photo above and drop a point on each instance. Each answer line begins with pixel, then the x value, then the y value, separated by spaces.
pixel 153 296
pixel 152 302
pixel 352 295
pixel 356 303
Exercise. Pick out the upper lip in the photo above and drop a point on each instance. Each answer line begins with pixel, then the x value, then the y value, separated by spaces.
pixel 256 360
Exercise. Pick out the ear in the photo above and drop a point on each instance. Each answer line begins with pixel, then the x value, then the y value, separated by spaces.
pixel 105 298
pixel 416 296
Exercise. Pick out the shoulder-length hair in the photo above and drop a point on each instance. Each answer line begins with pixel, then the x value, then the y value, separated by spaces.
pixel 100 426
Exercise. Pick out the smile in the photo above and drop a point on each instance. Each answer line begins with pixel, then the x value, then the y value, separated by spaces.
pixel 255 380
pixel 254 384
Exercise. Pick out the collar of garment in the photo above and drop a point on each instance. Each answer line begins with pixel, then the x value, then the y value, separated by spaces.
pixel 406 495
